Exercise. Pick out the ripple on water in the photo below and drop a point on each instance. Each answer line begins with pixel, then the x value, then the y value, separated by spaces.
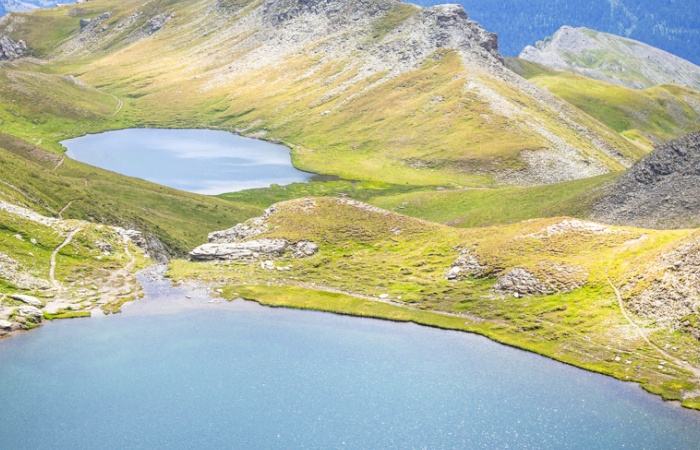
pixel 178 372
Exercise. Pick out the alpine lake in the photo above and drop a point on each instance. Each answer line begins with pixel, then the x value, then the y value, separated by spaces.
pixel 176 370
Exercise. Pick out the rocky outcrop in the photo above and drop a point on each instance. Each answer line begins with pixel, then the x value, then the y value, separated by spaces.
pixel 29 300
pixel 465 266
pixel 611 58
pixel 242 231
pixel 251 250
pixel 550 278
pixel 519 282
pixel 156 23
pixel 570 226
pixel 240 250
pixel 236 243
pixel 13 272
pixel 662 191
pixel 10 49
pixel 667 292
pixel 30 313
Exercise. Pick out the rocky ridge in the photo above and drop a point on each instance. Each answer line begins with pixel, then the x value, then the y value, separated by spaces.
pixel 611 58
pixel 660 192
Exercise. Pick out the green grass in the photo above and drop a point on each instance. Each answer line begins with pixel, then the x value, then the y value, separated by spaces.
pixel 483 207
pixel 646 117
pixel 392 19
pixel 583 327
pixel 66 314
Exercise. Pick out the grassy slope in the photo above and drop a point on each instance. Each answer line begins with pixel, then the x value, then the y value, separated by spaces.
pixel 43 109
pixel 412 138
pixel 583 327
pixel 455 207
pixel 647 117
pixel 81 266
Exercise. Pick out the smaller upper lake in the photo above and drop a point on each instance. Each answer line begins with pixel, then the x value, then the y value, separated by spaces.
pixel 202 161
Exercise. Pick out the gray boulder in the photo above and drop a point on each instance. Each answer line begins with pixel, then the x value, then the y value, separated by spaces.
pixel 10 49
pixel 30 313
pixel 520 282
pixel 239 251
pixel 303 249
pixel 29 300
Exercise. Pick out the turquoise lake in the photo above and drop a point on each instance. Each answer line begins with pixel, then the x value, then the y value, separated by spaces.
pixel 202 161
pixel 172 372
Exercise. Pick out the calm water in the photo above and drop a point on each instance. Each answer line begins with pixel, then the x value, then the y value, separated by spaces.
pixel 182 373
pixel 202 161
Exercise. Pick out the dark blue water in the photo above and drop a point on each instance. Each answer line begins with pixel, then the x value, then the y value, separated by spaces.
pixel 171 372
pixel 202 161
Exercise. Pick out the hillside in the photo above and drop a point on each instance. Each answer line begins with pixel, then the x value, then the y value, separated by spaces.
pixel 7 6
pixel 60 269
pixel 671 26
pixel 36 111
pixel 611 58
pixel 541 284
pixel 649 117
pixel 660 191
pixel 450 110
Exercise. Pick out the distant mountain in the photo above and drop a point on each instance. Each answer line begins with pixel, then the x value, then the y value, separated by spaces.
pixel 673 26
pixel 611 58
pixel 7 6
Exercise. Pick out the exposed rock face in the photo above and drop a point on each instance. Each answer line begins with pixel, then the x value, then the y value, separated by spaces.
pixel 662 191
pixel 465 266
pixel 241 231
pixel 30 313
pixel 571 226
pixel 611 58
pixel 671 293
pixel 239 250
pixel 235 244
pixel 10 49
pixel 156 23
pixel 520 282
pixel 255 249
pixel 13 272
pixel 551 278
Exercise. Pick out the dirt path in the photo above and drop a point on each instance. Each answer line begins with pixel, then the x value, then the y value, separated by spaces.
pixel 60 213
pixel 642 334
pixel 52 270
pixel 60 163
pixel 120 105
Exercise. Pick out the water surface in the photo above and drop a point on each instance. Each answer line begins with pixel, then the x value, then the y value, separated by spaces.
pixel 172 372
pixel 201 161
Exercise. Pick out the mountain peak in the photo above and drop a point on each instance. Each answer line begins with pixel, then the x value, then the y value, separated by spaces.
pixel 612 58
